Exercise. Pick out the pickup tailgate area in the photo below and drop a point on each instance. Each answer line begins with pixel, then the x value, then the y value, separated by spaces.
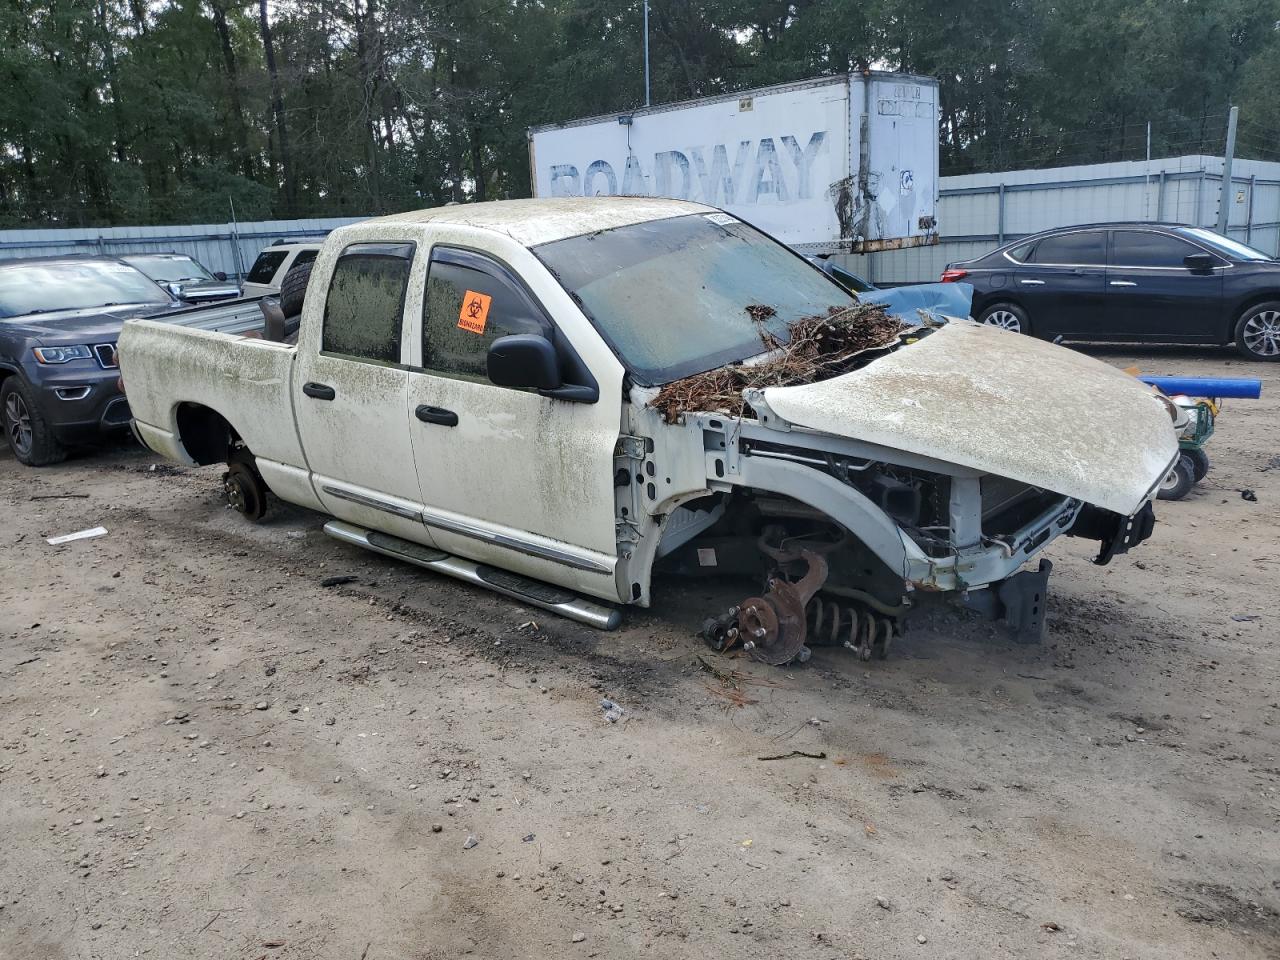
pixel 246 380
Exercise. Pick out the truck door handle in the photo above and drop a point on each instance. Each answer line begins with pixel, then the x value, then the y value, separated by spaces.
pixel 1123 283
pixel 319 391
pixel 429 414
pixel 1032 283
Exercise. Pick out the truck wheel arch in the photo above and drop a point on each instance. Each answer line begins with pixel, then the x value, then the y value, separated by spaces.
pixel 636 588
pixel 206 435
pixel 863 520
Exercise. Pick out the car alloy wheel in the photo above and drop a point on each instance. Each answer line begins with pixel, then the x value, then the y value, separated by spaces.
pixel 1005 319
pixel 17 422
pixel 1261 333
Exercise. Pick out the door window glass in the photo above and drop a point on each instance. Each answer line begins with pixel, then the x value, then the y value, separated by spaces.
pixel 1083 248
pixel 469 304
pixel 1021 252
pixel 264 268
pixel 365 303
pixel 1226 246
pixel 1140 248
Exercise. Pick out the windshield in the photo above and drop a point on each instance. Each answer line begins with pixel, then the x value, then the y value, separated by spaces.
pixel 676 297
pixel 1224 245
pixel 169 269
pixel 69 285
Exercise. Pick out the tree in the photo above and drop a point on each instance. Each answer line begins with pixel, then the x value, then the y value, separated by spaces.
pixel 124 111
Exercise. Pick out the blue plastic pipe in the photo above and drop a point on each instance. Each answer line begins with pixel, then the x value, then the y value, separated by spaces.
pixel 1237 388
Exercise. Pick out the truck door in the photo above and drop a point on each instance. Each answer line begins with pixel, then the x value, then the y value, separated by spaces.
pixel 1153 295
pixel 349 392
pixel 508 477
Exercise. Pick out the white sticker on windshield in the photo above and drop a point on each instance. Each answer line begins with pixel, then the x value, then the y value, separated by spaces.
pixel 720 219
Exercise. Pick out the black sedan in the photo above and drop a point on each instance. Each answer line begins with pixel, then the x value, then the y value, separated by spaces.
pixel 1152 282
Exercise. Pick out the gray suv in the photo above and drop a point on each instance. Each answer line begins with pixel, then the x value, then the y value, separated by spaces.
pixel 59 321
pixel 184 277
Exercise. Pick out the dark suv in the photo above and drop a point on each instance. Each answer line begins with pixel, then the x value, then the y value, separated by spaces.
pixel 1157 282
pixel 59 321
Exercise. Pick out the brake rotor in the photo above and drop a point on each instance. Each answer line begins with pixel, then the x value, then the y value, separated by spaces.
pixel 772 627
pixel 758 627
pixel 244 491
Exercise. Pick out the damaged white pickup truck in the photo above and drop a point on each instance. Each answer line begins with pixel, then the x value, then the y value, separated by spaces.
pixel 516 394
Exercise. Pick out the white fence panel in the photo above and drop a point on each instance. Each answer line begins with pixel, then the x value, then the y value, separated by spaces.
pixel 978 212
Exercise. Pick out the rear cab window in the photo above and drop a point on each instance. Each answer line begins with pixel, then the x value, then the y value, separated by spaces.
pixel 1084 248
pixel 264 268
pixel 364 306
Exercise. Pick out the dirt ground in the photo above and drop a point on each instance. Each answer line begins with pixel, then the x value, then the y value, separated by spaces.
pixel 204 753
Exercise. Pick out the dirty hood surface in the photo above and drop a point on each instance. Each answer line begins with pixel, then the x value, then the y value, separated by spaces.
pixel 90 325
pixel 1003 403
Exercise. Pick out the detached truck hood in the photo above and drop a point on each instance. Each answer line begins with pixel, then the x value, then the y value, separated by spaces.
pixel 1002 403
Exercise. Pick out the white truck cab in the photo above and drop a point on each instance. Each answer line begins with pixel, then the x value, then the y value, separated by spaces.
pixel 471 387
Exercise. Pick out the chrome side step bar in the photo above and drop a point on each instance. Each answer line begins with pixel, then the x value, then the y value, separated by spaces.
pixel 533 592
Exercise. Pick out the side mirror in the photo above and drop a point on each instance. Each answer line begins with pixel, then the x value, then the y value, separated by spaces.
pixel 525 361
pixel 1199 261
pixel 221 275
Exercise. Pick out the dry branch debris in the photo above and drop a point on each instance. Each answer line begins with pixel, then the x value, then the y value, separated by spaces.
pixel 817 348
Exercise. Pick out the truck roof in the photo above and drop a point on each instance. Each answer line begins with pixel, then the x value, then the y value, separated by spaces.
pixel 535 221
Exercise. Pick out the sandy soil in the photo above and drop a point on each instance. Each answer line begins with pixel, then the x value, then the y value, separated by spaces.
pixel 204 753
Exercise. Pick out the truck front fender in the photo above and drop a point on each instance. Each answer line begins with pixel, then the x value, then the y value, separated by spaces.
pixel 842 503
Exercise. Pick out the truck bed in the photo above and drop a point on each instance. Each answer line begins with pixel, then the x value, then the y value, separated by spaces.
pixel 236 317
pixel 208 357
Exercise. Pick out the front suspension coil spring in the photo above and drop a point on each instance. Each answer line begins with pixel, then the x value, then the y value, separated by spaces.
pixel 854 626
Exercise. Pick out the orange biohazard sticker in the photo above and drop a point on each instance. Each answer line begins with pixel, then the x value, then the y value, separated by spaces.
pixel 474 312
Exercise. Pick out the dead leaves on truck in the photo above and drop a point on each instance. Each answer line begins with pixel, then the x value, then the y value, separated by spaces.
pixel 817 348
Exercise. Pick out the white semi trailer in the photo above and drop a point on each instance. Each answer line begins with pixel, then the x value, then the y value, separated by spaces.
pixel 843 164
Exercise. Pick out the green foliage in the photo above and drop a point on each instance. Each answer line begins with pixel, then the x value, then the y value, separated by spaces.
pixel 158 111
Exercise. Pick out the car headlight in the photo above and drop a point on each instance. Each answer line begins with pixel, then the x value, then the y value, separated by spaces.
pixel 61 354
